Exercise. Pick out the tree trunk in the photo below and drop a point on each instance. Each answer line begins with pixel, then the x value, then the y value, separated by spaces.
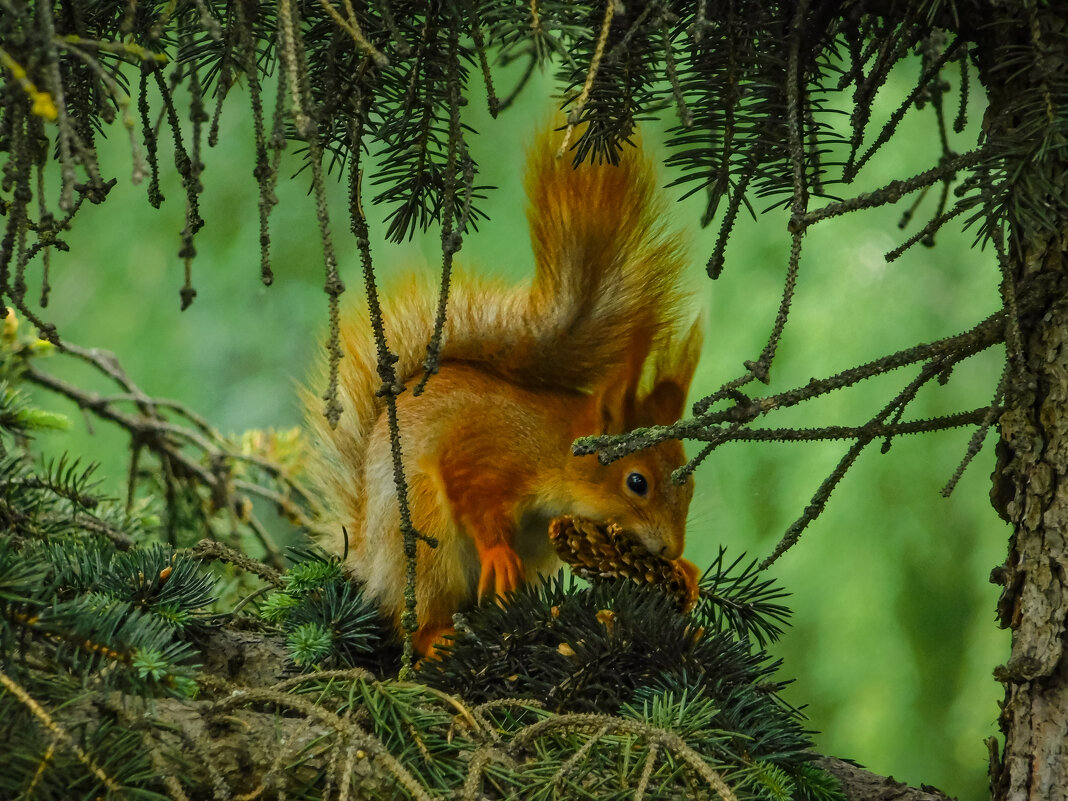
pixel 1034 431
pixel 1031 479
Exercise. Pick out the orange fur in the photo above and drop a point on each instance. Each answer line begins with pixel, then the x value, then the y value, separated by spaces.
pixel 595 345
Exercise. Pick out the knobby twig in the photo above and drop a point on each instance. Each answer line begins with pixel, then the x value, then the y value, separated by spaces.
pixel 391 387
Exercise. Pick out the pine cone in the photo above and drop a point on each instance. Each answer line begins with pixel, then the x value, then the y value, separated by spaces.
pixel 606 551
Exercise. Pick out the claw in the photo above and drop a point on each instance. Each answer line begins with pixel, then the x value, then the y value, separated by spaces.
pixel 502 572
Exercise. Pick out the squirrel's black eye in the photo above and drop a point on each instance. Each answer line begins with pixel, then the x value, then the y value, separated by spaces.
pixel 637 483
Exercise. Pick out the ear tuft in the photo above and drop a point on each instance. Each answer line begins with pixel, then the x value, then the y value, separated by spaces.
pixel 674 369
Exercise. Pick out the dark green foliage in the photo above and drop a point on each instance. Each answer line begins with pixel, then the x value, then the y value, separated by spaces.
pixel 629 84
pixel 734 140
pixel 72 591
pixel 38 501
pixel 327 622
pixel 121 756
pixel 814 784
pixel 585 648
pixel 89 609
pixel 413 104
pixel 743 601
pixel 620 646
pixel 153 578
pixel 417 734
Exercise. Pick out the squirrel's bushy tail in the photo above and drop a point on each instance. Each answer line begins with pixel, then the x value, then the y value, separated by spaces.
pixel 605 294
pixel 607 266
pixel 606 278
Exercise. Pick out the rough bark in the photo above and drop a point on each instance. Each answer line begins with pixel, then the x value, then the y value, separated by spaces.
pixel 1030 483
pixel 1034 430
pixel 863 785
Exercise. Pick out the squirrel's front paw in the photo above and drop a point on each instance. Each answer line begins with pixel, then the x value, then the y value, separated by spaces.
pixel 428 640
pixel 689 573
pixel 502 571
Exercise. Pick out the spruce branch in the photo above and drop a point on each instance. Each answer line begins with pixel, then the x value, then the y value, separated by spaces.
pixel 962 110
pixel 890 47
pixel 187 453
pixel 578 105
pixel 59 734
pixel 990 415
pixel 930 73
pixel 266 172
pixel 296 71
pixel 451 241
pixel 603 725
pixel 895 190
pixel 492 101
pixel 878 431
pixel 188 169
pixel 714 267
pixel 57 95
pixel 745 409
pixel 926 234
pixel 759 369
pixel 344 727
pixel 683 110
pixel 351 26
pixel 896 406
pixel 212 549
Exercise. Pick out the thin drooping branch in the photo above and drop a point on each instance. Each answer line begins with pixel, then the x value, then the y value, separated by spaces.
pixel 293 55
pixel 989 416
pixel 266 172
pixel 451 241
pixel 745 409
pixel 574 115
pixel 391 387
pixel 819 500
pixel 190 452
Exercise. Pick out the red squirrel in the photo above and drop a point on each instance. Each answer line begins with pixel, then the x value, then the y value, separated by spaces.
pixel 597 344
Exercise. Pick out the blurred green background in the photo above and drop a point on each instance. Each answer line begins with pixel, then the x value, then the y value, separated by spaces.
pixel 893 640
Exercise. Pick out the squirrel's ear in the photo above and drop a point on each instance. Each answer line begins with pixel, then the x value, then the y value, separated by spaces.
pixel 615 403
pixel 666 401
pixel 664 405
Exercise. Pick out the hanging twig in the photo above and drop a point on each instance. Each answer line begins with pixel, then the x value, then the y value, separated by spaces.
pixel 744 409
pixel 391 387
pixel 451 240
pixel 574 116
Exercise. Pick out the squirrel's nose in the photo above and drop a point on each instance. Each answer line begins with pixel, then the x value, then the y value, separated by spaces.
pixel 671 551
